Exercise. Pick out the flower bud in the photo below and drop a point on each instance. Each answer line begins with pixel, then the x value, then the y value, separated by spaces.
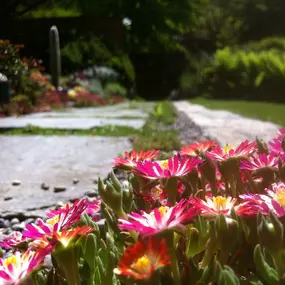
pixel 262 146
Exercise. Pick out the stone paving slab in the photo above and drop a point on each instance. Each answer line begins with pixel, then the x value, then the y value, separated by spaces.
pixel 56 161
pixel 132 114
pixel 226 127
pixel 67 123
pixel 117 111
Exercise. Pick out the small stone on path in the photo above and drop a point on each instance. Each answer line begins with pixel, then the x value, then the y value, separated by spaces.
pixel 44 186
pixel 8 198
pixel 91 193
pixel 16 183
pixel 58 189
pixel 15 221
pixel 75 180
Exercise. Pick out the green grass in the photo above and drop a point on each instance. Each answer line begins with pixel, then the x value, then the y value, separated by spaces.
pixel 153 135
pixel 263 111
pixel 108 130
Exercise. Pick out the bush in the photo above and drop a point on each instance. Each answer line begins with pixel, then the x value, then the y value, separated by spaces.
pixel 53 99
pixel 114 88
pixel 21 105
pixel 10 63
pixel 245 73
pixel 85 99
pixel 277 43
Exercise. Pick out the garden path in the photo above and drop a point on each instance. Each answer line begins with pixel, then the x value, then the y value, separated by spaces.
pixel 226 127
pixel 67 165
pixel 81 118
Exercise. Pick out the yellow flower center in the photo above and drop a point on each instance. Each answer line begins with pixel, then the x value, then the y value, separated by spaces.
pixel 162 210
pixel 280 197
pixel 220 202
pixel 53 221
pixel 142 264
pixel 164 164
pixel 227 148
pixel 11 260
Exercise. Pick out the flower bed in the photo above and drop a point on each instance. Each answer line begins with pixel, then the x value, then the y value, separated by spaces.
pixel 32 91
pixel 207 215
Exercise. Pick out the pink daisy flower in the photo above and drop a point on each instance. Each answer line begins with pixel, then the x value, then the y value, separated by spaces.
pixel 275 198
pixel 130 160
pixel 259 161
pixel 160 219
pixel 64 237
pixel 14 240
pixel 93 207
pixel 275 146
pixel 196 148
pixel 17 267
pixel 176 166
pixel 70 210
pixel 59 219
pixel 252 204
pixel 214 206
pixel 245 149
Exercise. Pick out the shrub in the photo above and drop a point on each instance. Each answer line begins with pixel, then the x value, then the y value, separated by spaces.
pixel 53 99
pixel 21 105
pixel 277 43
pixel 84 99
pixel 114 88
pixel 10 63
pixel 245 74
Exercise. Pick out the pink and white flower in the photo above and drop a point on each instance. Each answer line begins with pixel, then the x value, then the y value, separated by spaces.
pixel 244 150
pixel 273 200
pixel 160 219
pixel 14 269
pixel 176 166
pixel 259 161
pixel 131 158
pixel 214 206
pixel 59 219
pixel 14 240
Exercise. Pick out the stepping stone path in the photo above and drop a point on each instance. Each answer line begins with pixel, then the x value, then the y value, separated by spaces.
pixel 226 127
pixel 81 118
pixel 38 172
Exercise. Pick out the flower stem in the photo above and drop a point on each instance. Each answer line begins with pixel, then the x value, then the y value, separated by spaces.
pixel 121 214
pixel 67 258
pixel 210 248
pixel 174 263
pixel 171 188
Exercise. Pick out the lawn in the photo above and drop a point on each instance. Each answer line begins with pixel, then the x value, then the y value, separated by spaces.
pixel 264 111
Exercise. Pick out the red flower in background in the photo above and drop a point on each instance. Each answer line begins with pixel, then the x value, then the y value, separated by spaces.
pixel 142 259
pixel 196 148
pixel 131 158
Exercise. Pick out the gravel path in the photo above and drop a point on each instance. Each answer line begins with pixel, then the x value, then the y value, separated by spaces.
pixel 224 126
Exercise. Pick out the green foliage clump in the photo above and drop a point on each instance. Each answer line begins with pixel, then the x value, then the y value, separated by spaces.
pixel 254 72
pixel 114 88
